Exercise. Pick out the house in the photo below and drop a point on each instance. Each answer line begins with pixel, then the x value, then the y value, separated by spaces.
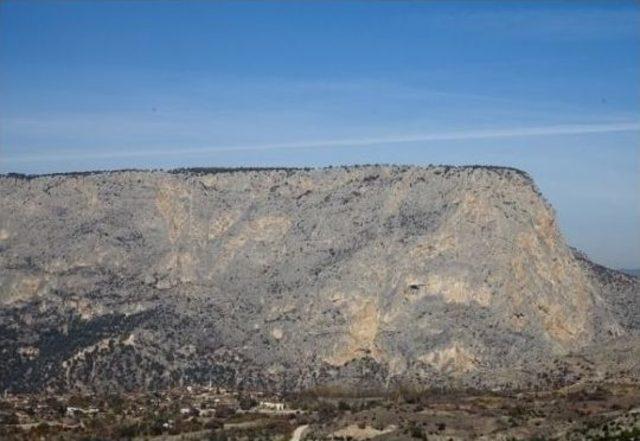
pixel 75 411
pixel 268 405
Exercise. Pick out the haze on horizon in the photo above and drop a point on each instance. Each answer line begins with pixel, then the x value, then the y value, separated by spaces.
pixel 548 87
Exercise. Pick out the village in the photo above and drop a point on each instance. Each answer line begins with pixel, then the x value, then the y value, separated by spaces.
pixel 197 410
pixel 597 412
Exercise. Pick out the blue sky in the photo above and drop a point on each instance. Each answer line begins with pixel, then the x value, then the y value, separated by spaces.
pixel 549 87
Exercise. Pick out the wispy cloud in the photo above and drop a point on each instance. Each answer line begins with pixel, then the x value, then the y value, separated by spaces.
pixel 586 22
pixel 458 135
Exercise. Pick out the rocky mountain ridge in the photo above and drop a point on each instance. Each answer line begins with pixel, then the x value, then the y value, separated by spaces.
pixel 284 279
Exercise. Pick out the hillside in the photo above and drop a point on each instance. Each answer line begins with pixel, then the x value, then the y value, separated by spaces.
pixel 283 279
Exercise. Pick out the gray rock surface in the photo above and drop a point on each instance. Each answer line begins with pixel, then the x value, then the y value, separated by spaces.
pixel 284 279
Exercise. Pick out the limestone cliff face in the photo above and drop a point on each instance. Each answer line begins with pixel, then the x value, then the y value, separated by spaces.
pixel 290 278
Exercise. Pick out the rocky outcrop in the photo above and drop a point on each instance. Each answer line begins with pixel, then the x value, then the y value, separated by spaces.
pixel 287 278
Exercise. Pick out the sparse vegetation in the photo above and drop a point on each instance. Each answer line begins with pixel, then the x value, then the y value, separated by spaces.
pixel 404 412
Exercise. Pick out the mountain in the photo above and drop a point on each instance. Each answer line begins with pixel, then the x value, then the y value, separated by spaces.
pixel 283 279
pixel 631 272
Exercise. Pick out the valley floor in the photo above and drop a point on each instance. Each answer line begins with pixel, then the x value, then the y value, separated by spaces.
pixel 606 411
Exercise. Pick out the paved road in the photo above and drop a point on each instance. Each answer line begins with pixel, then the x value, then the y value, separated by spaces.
pixel 299 432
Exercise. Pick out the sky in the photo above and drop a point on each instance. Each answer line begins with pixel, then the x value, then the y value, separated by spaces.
pixel 552 88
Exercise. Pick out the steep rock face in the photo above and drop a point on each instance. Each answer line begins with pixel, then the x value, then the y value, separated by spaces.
pixel 289 278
